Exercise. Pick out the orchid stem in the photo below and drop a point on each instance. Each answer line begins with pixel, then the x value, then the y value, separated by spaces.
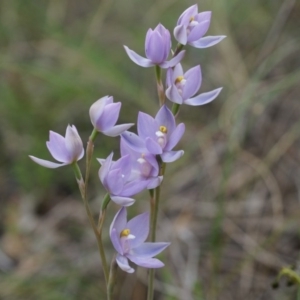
pixel 160 86
pixel 82 184
pixel 112 278
pixel 154 205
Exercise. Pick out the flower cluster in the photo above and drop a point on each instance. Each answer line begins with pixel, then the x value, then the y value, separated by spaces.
pixel 144 154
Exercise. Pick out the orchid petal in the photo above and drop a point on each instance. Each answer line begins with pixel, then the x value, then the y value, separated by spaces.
pixel 117 130
pixel 203 98
pixel 109 116
pixel 57 147
pixel 175 137
pixel 164 117
pixel 149 249
pixel 180 34
pixel 123 201
pixel 173 94
pixel 122 262
pixel 115 239
pixel 134 141
pixel 207 41
pixel 105 167
pixel 174 61
pixel 147 126
pixel 139 60
pixel 139 227
pixel 119 221
pixel 198 31
pixel 152 146
pixel 152 263
pixel 46 163
pixel 171 156
pixel 193 82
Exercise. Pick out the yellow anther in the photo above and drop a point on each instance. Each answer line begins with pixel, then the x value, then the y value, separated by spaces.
pixel 179 79
pixel 125 232
pixel 192 19
pixel 163 129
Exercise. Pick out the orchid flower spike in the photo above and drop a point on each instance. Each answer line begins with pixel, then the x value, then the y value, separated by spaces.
pixel 116 177
pixel 128 238
pixel 157 48
pixel 66 150
pixel 157 136
pixel 181 87
pixel 192 26
pixel 104 115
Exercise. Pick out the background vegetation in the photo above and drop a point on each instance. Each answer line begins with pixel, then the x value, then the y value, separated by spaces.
pixel 230 206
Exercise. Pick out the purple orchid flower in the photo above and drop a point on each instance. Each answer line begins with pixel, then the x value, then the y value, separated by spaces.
pixel 104 115
pixel 66 150
pixel 181 87
pixel 192 26
pixel 157 136
pixel 157 48
pixel 128 238
pixel 116 177
pixel 144 166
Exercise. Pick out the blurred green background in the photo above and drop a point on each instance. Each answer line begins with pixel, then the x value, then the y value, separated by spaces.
pixel 230 206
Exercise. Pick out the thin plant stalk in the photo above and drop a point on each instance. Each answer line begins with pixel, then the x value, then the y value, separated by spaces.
pixel 154 206
pixel 112 278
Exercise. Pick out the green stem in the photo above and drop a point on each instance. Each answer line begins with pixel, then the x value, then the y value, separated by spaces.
pixel 154 205
pixel 89 154
pixel 112 278
pixel 160 86
pixel 175 109
pixel 179 47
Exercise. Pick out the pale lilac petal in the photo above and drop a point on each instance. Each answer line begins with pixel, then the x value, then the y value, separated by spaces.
pixel 97 108
pixel 122 262
pixel 139 60
pixel 171 156
pixel 203 98
pixel 46 163
pixel 115 239
pixel 114 182
pixel 164 117
pixel 147 126
pixel 175 137
pixel 123 201
pixel 169 77
pixel 193 82
pixel 154 182
pixel 109 116
pixel 134 141
pixel 139 227
pixel 73 144
pixel 105 167
pixel 177 71
pixel 149 249
pixel 173 94
pixel 180 34
pixel 57 147
pixel 152 263
pixel 151 159
pixel 203 16
pixel 152 146
pixel 207 41
pixel 123 163
pixel 187 14
pixel 134 187
pixel 174 61
pixel 154 48
pixel 198 31
pixel 117 130
pixel 119 221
